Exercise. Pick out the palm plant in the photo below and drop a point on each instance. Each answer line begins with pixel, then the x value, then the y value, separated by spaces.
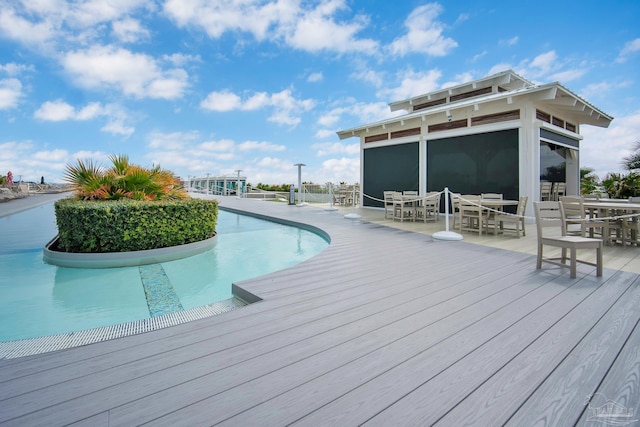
pixel 122 180
pixel 632 161
pixel 589 181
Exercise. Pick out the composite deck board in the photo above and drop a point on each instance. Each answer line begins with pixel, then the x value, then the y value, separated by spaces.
pixel 312 357
pixel 361 330
pixel 498 398
pixel 384 297
pixel 183 353
pixel 562 396
pixel 621 386
pixel 381 391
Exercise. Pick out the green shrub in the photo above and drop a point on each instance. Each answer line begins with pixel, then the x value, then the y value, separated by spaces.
pixel 131 225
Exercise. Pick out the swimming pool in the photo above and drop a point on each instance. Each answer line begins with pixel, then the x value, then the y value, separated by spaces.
pixel 38 299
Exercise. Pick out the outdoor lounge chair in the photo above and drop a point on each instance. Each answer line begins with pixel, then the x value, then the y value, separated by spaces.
pixel 550 215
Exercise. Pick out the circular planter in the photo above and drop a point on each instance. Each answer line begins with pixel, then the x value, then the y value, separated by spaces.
pixel 123 259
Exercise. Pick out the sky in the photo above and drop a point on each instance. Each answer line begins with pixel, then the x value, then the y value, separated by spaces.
pixel 216 86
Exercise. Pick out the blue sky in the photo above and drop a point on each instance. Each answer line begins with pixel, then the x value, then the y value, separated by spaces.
pixel 212 86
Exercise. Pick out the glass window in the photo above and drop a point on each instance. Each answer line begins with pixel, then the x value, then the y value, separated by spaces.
pixel 552 162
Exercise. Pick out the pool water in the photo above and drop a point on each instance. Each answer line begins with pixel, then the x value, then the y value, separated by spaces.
pixel 38 299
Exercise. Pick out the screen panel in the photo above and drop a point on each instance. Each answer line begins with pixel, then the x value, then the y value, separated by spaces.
pixel 475 164
pixel 394 167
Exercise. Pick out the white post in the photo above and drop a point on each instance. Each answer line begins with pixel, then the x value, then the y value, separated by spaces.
pixel 353 215
pixel 331 207
pixel 447 235
pixel 238 191
pixel 299 165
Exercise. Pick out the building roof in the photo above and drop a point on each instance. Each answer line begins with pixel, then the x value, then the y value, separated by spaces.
pixel 510 86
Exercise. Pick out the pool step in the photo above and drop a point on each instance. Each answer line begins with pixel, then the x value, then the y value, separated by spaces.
pixel 161 297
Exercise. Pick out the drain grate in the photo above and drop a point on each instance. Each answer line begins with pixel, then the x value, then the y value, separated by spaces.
pixel 19 348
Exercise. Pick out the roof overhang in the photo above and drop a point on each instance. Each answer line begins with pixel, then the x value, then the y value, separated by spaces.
pixel 553 94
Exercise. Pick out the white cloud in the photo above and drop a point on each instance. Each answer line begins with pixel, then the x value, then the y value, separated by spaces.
pixel 544 63
pixel 138 75
pixel 55 111
pixel 10 93
pixel 286 108
pixel 509 42
pixel 604 148
pixel 260 146
pixel 424 34
pixel 369 76
pixel 58 110
pixel 18 28
pixel 325 133
pixel 412 84
pixel 12 69
pixel 218 17
pixel 129 30
pixel 221 101
pixel 568 75
pixel 315 77
pixel 629 48
pixel 173 141
pixel 316 30
pixel 310 27
pixel 342 169
pixel 331 148
pixel 216 146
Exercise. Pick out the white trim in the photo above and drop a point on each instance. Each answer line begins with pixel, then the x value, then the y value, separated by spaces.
pixel 557 129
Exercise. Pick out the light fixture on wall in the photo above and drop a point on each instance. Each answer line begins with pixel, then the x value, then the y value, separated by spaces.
pixel 449 116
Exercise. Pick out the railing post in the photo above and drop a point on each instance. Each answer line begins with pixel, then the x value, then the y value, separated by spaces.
pixel 447 235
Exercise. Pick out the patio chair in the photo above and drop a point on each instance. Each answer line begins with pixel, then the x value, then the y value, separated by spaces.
pixel 491 214
pixel 576 215
pixel 558 190
pixel 388 204
pixel 549 214
pixel 517 219
pixel 473 216
pixel 455 210
pixel 402 209
pixel 429 207
pixel 545 190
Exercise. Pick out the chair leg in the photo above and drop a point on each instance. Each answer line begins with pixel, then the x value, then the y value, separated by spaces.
pixel 599 261
pixel 539 260
pixel 573 262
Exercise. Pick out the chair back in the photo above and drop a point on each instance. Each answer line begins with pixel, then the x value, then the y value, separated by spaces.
pixel 558 190
pixel 634 199
pixel 491 196
pixel 522 205
pixel 410 193
pixel 573 207
pixel 470 202
pixel 594 197
pixel 455 201
pixel 545 191
pixel 388 197
pixel 549 214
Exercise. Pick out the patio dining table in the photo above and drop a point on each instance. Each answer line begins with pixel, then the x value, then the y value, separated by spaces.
pixel 608 209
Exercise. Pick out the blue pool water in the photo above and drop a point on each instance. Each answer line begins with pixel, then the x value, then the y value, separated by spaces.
pixel 38 299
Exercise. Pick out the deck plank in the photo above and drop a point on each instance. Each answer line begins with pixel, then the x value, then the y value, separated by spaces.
pixel 367 330
pixel 562 396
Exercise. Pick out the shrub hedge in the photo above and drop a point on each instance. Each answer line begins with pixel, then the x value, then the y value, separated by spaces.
pixel 132 225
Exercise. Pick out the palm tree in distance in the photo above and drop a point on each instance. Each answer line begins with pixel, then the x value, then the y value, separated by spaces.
pixel 632 161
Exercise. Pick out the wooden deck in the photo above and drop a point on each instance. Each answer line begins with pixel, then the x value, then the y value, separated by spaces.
pixel 385 327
